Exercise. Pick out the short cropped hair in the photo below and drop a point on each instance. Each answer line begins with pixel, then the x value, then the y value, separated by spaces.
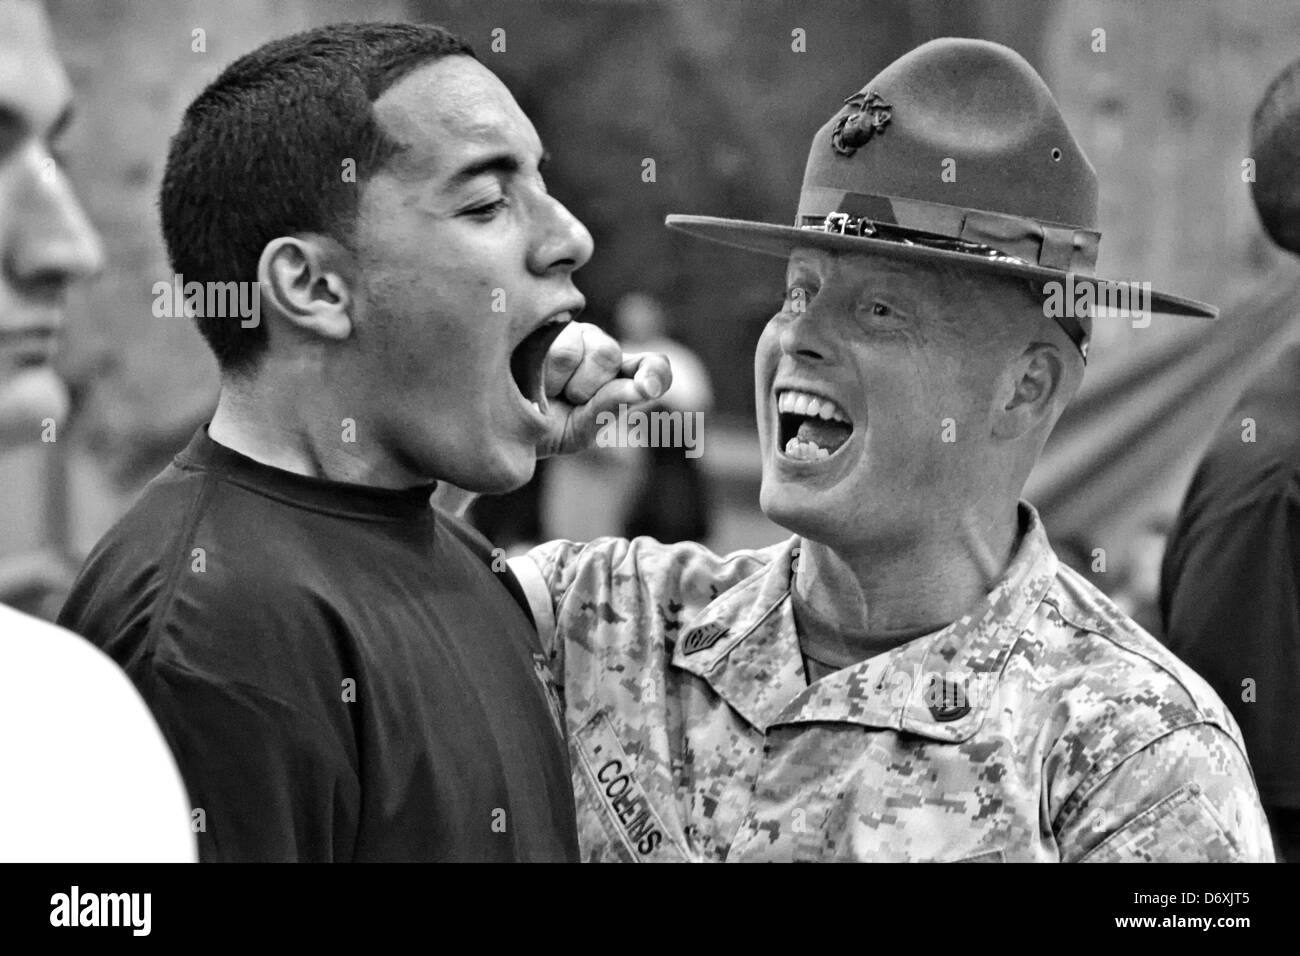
pixel 263 150
pixel 1275 147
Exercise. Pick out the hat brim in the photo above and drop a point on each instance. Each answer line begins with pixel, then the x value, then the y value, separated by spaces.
pixel 774 240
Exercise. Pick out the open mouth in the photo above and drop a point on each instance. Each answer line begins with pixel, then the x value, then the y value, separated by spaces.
pixel 811 427
pixel 528 359
pixel 30 360
pixel 27 348
pixel 29 356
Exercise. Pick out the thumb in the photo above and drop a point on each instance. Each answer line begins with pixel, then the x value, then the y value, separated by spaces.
pixel 650 371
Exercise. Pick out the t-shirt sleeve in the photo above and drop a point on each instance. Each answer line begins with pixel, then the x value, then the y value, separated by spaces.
pixel 265 782
pixel 1186 797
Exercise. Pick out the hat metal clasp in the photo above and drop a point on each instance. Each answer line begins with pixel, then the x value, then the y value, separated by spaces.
pixel 845 225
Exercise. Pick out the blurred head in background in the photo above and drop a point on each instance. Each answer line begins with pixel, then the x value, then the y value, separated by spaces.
pixel 46 241
pixel 1275 146
pixel 385 190
pixel 639 318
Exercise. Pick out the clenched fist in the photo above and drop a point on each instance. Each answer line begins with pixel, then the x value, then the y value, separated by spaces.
pixel 586 373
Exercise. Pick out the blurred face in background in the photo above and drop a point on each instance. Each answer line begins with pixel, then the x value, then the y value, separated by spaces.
pixel 46 241
pixel 877 389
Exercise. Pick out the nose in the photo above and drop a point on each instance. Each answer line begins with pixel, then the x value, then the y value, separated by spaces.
pixel 804 336
pixel 50 242
pixel 565 244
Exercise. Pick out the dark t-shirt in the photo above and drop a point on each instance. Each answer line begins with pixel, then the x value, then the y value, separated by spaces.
pixel 1230 585
pixel 339 671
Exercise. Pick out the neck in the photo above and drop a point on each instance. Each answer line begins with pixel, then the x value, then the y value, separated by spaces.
pixel 889 595
pixel 304 431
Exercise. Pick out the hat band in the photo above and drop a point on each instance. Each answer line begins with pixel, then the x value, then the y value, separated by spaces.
pixel 842 224
pixel 974 231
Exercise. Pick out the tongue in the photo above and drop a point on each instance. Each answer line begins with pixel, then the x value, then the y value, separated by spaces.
pixel 829 435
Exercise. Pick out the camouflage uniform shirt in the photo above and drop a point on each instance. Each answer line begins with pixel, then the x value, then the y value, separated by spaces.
pixel 1043 725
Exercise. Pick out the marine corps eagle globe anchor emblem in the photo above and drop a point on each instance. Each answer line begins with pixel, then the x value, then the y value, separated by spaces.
pixel 856 129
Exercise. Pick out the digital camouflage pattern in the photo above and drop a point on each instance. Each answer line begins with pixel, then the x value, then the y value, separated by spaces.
pixel 1042 726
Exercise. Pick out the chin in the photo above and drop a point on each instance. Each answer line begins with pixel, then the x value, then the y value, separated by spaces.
pixel 28 400
pixel 507 472
pixel 465 459
pixel 794 509
pixel 833 517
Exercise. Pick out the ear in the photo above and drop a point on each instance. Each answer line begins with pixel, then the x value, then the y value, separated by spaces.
pixel 1037 377
pixel 309 281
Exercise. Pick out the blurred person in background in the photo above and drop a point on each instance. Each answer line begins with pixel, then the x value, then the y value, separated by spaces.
pixel 1230 584
pixel 669 498
pixel 1134 582
pixel 87 775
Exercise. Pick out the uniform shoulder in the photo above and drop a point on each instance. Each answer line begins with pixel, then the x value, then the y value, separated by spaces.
pixel 1107 666
pixel 646 563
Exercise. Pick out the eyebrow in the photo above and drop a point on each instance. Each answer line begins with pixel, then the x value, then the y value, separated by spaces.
pixel 505 164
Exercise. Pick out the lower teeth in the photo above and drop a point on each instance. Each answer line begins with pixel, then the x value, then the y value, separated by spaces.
pixel 805 450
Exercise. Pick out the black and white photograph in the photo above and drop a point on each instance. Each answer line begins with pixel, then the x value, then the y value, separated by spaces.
pixel 612 431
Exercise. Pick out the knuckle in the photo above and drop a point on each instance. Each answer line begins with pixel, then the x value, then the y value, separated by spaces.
pixel 565 355
pixel 607 354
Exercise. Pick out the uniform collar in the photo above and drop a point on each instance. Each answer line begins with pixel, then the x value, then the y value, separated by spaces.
pixel 745 646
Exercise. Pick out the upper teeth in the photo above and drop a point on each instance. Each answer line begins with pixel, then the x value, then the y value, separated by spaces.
pixel 813 406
